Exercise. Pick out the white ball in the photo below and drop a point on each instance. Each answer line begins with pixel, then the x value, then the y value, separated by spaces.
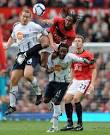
pixel 38 9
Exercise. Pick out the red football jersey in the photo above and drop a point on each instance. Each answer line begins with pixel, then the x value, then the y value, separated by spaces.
pixel 82 71
pixel 60 33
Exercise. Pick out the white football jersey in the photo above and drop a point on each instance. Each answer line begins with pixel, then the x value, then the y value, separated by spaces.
pixel 26 35
pixel 59 75
pixel 62 67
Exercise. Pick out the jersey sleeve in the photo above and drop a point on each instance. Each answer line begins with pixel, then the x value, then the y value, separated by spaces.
pixel 70 57
pixel 91 57
pixel 13 31
pixel 13 34
pixel 40 29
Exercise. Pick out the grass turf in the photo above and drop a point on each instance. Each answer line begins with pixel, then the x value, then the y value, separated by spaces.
pixel 40 127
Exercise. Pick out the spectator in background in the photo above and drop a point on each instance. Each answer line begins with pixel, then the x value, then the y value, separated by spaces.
pixel 3 3
pixel 13 18
pixel 21 3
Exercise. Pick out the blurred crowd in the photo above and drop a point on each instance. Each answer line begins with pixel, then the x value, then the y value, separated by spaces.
pixel 56 3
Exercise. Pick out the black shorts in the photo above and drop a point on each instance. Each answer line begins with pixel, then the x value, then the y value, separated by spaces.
pixel 56 91
pixel 31 61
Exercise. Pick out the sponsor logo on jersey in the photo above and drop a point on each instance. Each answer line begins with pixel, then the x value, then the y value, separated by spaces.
pixel 20 35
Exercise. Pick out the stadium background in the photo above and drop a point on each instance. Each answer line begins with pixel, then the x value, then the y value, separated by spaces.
pixel 95 27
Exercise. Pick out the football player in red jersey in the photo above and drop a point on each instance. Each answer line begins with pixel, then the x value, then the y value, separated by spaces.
pixel 62 29
pixel 83 83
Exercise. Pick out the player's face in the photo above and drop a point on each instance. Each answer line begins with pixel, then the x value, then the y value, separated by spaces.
pixel 78 43
pixel 62 52
pixel 25 18
pixel 68 22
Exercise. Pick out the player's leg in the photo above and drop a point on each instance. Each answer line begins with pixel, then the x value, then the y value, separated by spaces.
pixel 77 98
pixel 68 106
pixel 49 90
pixel 69 112
pixel 28 74
pixel 80 90
pixel 44 41
pixel 60 89
pixel 44 59
pixel 56 114
pixel 15 77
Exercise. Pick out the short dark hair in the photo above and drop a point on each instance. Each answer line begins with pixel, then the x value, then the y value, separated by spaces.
pixel 80 36
pixel 63 45
pixel 73 16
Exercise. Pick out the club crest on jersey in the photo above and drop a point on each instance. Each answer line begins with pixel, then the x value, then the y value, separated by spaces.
pixel 20 35
pixel 58 68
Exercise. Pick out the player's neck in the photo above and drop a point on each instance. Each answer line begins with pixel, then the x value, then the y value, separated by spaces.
pixel 79 51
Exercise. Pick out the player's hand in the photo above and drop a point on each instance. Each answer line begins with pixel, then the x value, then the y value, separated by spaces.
pixel 90 89
pixel 54 47
pixel 86 61
pixel 5 46
pixel 21 58
pixel 93 61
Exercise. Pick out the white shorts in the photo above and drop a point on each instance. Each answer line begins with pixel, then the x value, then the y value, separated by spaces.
pixel 78 85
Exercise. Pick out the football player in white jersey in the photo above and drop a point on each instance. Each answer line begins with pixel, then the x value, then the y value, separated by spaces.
pixel 59 70
pixel 25 35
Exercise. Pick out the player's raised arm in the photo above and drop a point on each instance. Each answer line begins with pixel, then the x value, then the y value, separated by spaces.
pixel 48 21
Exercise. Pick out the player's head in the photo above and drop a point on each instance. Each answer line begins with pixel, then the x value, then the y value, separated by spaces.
pixel 62 50
pixel 79 40
pixel 25 16
pixel 70 20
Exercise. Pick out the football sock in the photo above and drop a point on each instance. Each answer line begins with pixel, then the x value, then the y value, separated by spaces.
pixel 56 114
pixel 35 86
pixel 13 95
pixel 79 112
pixel 69 112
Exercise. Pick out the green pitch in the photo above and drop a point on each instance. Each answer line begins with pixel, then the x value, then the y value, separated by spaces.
pixel 39 128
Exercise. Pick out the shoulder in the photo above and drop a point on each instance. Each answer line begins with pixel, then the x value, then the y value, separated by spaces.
pixel 33 24
pixel 17 24
pixel 89 54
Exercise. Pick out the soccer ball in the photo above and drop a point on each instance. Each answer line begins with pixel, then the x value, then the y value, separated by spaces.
pixel 38 9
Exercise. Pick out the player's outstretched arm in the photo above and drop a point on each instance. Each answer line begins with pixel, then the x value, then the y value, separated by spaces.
pixel 47 21
pixel 70 57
